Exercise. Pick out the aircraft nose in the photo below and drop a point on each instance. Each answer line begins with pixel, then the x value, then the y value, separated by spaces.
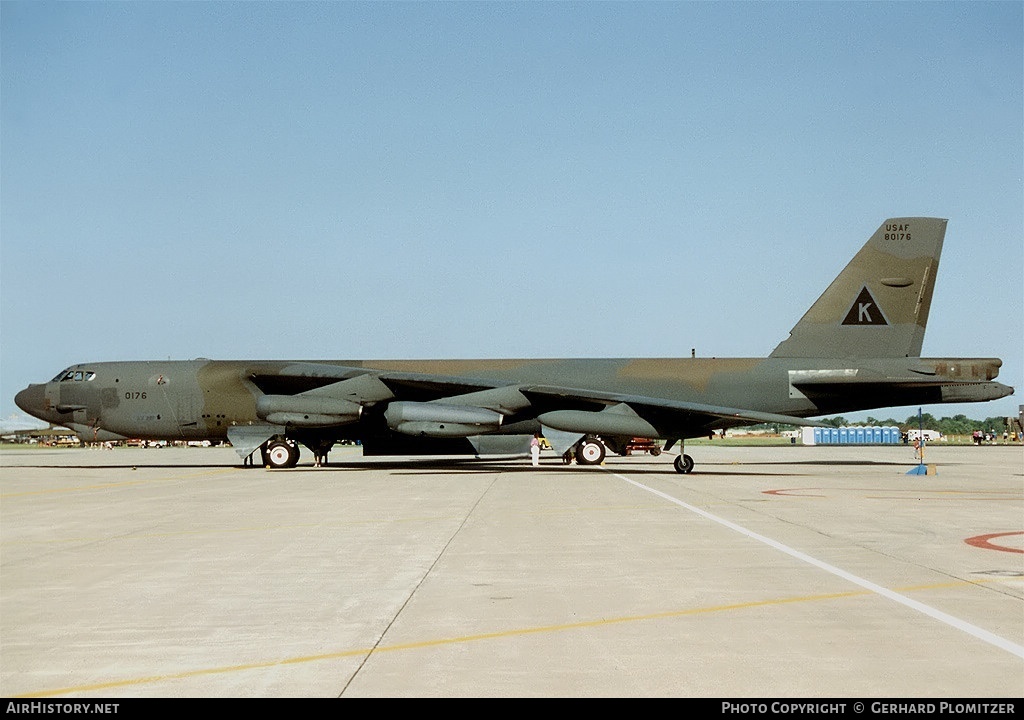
pixel 31 399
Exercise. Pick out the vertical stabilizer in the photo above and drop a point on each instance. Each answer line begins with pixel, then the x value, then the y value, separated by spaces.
pixel 878 306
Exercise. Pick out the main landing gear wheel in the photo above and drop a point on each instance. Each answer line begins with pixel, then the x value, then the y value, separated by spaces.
pixel 281 454
pixel 590 452
pixel 683 464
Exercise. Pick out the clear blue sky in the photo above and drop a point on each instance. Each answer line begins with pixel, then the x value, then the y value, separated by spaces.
pixel 407 180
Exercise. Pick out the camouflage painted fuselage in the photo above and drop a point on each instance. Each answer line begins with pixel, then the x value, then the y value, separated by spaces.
pixel 201 399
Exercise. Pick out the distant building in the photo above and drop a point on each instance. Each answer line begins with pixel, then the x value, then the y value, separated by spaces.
pixel 929 435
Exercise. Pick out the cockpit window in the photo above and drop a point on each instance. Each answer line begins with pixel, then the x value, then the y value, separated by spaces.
pixel 74 376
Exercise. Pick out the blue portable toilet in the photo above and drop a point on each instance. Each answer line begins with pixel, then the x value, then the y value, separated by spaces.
pixel 876 434
pixel 860 435
pixel 844 435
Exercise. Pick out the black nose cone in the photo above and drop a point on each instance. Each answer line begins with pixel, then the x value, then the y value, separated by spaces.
pixel 31 400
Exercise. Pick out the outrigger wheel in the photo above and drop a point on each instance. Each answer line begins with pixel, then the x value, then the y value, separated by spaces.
pixel 683 464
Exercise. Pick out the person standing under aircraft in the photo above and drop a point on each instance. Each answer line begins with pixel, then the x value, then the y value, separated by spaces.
pixel 535 449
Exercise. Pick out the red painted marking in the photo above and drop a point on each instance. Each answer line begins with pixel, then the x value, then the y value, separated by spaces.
pixel 983 541
pixel 792 492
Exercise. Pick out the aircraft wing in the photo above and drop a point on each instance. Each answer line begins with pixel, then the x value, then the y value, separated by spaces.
pixel 307 377
pixel 353 383
pixel 643 416
pixel 690 410
pixel 443 406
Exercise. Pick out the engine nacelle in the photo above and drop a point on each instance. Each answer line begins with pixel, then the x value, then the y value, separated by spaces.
pixel 309 420
pixel 439 420
pixel 598 423
pixel 307 411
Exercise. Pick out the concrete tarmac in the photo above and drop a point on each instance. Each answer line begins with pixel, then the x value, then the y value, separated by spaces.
pixel 770 572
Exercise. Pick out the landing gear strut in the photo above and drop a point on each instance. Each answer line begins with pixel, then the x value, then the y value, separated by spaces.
pixel 320 450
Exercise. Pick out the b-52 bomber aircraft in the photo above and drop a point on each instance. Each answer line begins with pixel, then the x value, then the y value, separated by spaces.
pixel 856 348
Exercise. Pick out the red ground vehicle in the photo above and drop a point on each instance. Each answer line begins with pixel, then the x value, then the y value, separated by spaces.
pixel 642 445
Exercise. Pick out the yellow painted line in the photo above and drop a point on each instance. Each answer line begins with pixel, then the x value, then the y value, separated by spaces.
pixel 426 644
pixel 216 531
pixel 295 526
pixel 517 632
pixel 109 486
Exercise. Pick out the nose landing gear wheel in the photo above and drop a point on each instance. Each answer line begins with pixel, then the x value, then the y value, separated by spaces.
pixel 683 464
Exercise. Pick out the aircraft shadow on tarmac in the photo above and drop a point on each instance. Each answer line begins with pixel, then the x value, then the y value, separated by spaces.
pixel 125 466
pixel 423 467
pixel 833 462
pixel 489 467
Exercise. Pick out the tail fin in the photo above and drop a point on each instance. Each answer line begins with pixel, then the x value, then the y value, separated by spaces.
pixel 878 305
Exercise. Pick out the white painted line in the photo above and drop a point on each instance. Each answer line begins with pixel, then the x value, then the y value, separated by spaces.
pixel 981 634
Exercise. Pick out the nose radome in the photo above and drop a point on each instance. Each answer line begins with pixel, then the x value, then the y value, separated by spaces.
pixel 31 399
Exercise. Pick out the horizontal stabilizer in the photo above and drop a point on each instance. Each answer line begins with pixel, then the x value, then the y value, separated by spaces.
pixel 975 392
